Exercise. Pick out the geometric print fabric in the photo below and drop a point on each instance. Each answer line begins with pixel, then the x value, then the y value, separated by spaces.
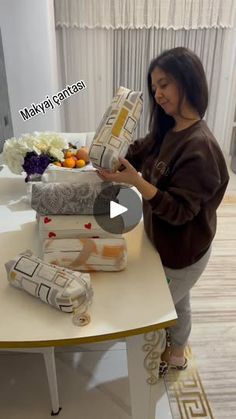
pixel 62 288
pixel 115 132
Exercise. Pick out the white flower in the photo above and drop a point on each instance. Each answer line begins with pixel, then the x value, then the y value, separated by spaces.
pixel 51 139
pixel 59 142
pixel 58 154
pixel 15 150
pixel 14 162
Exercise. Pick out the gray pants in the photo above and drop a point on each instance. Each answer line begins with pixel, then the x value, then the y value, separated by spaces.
pixel 180 283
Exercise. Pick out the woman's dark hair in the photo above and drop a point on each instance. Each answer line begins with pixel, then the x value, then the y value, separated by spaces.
pixel 186 68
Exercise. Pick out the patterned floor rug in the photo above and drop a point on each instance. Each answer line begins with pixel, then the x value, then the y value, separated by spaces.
pixel 186 392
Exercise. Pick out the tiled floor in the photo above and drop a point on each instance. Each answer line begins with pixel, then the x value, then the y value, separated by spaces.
pixel 92 379
pixel 92 384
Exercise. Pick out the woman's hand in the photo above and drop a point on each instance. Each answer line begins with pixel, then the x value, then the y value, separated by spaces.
pixel 129 175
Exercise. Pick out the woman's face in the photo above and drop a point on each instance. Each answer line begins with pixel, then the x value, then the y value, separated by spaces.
pixel 165 91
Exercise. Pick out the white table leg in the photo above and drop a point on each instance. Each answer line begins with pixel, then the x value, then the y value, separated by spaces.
pixel 148 394
pixel 49 359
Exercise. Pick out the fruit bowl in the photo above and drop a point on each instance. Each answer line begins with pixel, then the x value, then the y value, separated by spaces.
pixel 74 158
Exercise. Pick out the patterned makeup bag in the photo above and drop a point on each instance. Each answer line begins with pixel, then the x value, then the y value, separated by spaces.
pixel 87 174
pixel 115 132
pixel 73 198
pixel 87 254
pixel 77 226
pixel 61 288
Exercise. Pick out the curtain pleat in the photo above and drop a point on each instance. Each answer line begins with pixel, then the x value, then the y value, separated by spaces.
pixel 86 55
pixel 139 14
pixel 147 44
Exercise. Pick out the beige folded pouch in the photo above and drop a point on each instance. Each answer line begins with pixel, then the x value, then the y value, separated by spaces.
pixel 76 226
pixel 87 254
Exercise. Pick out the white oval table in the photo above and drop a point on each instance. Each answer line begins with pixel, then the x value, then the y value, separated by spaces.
pixel 134 304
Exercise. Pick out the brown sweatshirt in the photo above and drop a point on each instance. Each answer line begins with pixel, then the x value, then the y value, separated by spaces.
pixel 191 176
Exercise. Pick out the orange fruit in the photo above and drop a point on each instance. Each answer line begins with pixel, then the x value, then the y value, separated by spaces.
pixel 80 163
pixel 68 153
pixel 83 154
pixel 69 162
pixel 57 163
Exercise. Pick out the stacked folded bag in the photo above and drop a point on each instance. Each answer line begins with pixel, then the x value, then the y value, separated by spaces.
pixel 69 231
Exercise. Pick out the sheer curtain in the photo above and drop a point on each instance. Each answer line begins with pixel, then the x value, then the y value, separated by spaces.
pixel 134 14
pixel 109 43
pixel 134 49
pixel 85 54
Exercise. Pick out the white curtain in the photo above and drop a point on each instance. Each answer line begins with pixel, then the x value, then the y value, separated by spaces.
pixel 138 14
pixel 135 48
pixel 107 58
pixel 85 54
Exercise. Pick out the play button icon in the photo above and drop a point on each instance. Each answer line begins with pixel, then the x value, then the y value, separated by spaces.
pixel 116 209
pixel 122 211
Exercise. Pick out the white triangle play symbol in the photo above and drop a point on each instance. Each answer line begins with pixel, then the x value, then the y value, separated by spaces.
pixel 116 209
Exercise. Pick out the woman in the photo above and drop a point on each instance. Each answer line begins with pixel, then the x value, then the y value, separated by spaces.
pixel 184 178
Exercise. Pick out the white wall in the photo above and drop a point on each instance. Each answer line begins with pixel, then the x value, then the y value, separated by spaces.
pixel 29 44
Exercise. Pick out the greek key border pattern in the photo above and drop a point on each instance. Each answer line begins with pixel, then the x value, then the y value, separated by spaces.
pixel 186 392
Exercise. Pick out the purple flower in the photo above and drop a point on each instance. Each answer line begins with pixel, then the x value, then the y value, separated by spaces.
pixel 35 164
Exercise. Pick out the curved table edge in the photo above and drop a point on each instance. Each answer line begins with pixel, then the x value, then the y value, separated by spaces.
pixel 89 339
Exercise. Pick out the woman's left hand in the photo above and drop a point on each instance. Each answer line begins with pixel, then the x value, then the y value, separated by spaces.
pixel 129 175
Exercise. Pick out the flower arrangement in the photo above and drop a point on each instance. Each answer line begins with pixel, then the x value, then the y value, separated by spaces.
pixel 32 153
